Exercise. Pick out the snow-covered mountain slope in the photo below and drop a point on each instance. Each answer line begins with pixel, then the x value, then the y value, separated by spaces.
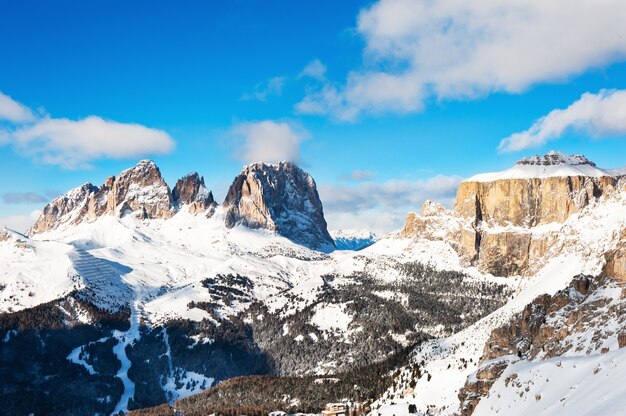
pixel 578 385
pixel 580 246
pixel 353 239
pixel 552 164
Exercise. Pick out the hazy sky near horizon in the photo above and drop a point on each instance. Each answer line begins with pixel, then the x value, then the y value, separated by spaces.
pixel 386 103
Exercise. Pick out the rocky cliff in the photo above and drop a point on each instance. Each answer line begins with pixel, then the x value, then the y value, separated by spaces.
pixel 190 190
pixel 282 198
pixel 504 222
pixel 139 191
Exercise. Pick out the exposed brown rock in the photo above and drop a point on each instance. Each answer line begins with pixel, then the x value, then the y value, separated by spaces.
pixel 492 220
pixel 72 207
pixel 190 190
pixel 4 235
pixel 278 197
pixel 529 202
pixel 616 260
pixel 139 190
pixel 478 386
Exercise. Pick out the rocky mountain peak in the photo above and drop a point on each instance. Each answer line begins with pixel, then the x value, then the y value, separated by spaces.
pixel 555 158
pixel 140 190
pixel 278 197
pixel 190 190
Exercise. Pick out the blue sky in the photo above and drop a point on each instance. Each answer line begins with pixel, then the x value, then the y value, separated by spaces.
pixel 386 103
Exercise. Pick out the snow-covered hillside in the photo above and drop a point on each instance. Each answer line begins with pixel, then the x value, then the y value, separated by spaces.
pixel 353 239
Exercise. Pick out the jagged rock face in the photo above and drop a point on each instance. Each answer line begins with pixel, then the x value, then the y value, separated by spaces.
pixel 616 260
pixel 584 318
pixel 282 198
pixel 190 190
pixel 69 208
pixel 529 202
pixel 494 217
pixel 140 190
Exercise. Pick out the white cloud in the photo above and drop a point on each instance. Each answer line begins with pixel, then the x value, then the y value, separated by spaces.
pixel 19 223
pixel 13 111
pixel 73 144
pixel 383 206
pixel 598 115
pixel 24 198
pixel 267 141
pixel 358 175
pixel 416 50
pixel 273 86
pixel 314 69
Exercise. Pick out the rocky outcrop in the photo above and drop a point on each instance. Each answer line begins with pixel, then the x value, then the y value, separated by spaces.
pixel 191 191
pixel 584 318
pixel 496 217
pixel 615 265
pixel 479 384
pixel 530 201
pixel 70 208
pixel 4 235
pixel 282 198
pixel 139 191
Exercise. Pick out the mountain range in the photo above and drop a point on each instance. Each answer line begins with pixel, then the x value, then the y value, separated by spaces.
pixel 133 296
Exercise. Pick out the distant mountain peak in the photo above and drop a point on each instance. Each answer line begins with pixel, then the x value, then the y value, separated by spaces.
pixel 555 158
pixel 552 164
pixel 191 190
pixel 279 197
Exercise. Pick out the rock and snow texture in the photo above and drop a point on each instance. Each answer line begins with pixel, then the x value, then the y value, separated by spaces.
pixel 353 239
pixel 552 164
pixel 580 385
pixel 140 191
pixel 508 225
pixel 190 190
pixel 282 198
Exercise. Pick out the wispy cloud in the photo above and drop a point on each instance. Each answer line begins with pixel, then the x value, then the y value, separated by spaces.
pixel 24 198
pixel 383 206
pixel 13 111
pixel 267 141
pixel 75 144
pixel 358 175
pixel 598 115
pixel 19 223
pixel 314 69
pixel 273 86
pixel 419 50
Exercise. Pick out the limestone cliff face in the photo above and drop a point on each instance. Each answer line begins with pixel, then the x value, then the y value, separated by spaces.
pixel 278 197
pixel 529 202
pixel 190 190
pixel 496 217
